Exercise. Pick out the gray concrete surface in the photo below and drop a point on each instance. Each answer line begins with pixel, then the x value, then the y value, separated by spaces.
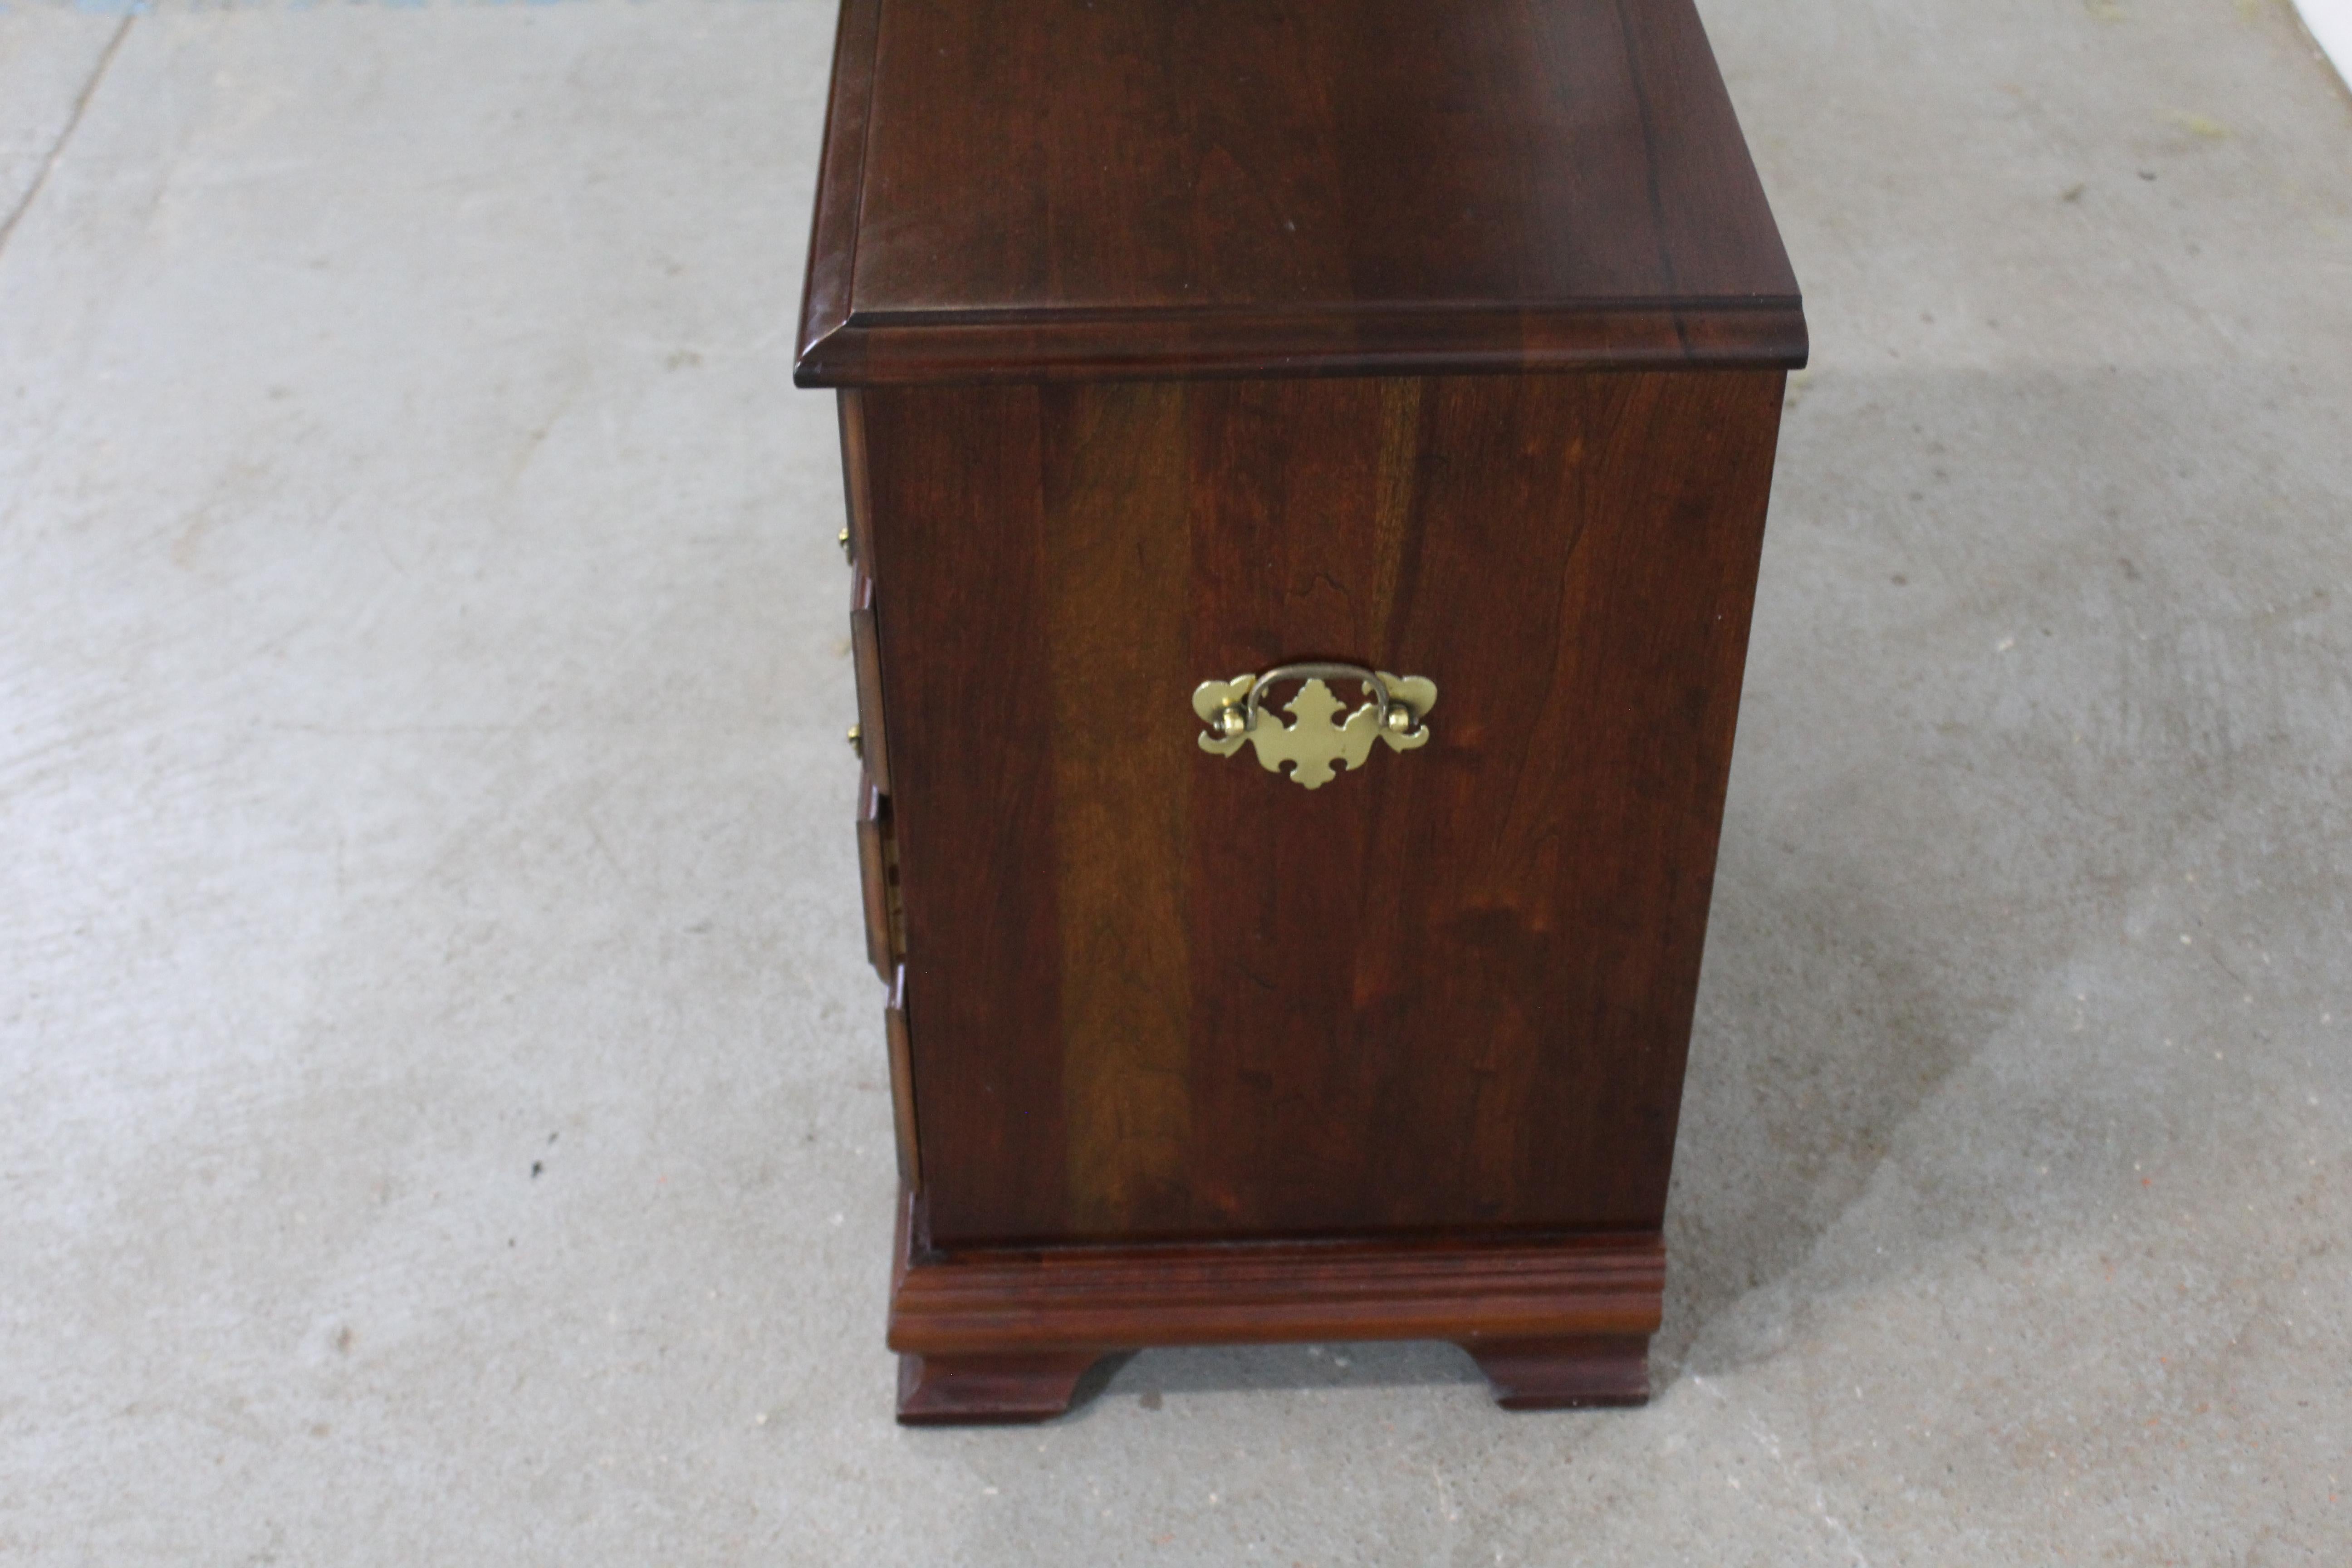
pixel 442 1111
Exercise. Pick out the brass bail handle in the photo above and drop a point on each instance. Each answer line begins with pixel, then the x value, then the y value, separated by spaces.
pixel 1391 711
pixel 1319 742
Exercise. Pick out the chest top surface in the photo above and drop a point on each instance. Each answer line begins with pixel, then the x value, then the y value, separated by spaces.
pixel 1091 189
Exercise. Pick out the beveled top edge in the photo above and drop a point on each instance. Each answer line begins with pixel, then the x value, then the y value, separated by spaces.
pixel 845 341
pixel 1146 346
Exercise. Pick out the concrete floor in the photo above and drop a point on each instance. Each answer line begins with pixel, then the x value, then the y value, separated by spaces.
pixel 442 1110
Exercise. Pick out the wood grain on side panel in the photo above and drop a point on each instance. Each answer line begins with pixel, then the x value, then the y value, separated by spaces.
pixel 962 606
pixel 1114 497
pixel 1178 996
pixel 1295 550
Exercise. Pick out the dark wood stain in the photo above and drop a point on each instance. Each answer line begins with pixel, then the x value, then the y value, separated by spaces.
pixel 1118 1296
pixel 1098 189
pixel 874 872
pixel 902 1085
pixel 958 557
pixel 1115 493
pixel 1452 990
pixel 1182 341
pixel 865 660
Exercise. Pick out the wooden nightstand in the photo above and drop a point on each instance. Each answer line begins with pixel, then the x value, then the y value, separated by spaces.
pixel 1307 466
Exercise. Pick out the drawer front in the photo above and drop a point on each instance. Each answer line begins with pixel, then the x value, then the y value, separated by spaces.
pixel 865 653
pixel 856 540
pixel 1167 993
pixel 878 871
pixel 865 631
pixel 902 1084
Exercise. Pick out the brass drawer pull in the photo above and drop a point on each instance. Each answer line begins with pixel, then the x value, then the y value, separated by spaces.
pixel 1233 709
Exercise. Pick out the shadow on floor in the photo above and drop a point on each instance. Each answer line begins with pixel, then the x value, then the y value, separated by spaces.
pixel 1148 1375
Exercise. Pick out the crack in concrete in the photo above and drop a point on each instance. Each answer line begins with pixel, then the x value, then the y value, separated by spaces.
pixel 73 123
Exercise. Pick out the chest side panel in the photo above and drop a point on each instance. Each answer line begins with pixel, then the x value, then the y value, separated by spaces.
pixel 1153 992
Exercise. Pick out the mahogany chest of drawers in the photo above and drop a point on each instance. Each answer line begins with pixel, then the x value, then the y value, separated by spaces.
pixel 1306 471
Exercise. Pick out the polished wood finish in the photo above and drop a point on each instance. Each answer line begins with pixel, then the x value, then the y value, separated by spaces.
pixel 866 654
pixel 1108 1297
pixel 1091 189
pixel 902 1085
pixel 1179 341
pixel 1554 1320
pixel 854 501
pixel 1167 996
pixel 875 871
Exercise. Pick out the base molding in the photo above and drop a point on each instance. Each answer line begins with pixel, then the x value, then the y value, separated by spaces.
pixel 1004 1335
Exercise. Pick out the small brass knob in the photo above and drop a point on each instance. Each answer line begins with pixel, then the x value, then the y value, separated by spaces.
pixel 858 742
pixel 842 539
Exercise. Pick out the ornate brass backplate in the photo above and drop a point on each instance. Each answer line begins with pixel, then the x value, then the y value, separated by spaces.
pixel 1234 712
